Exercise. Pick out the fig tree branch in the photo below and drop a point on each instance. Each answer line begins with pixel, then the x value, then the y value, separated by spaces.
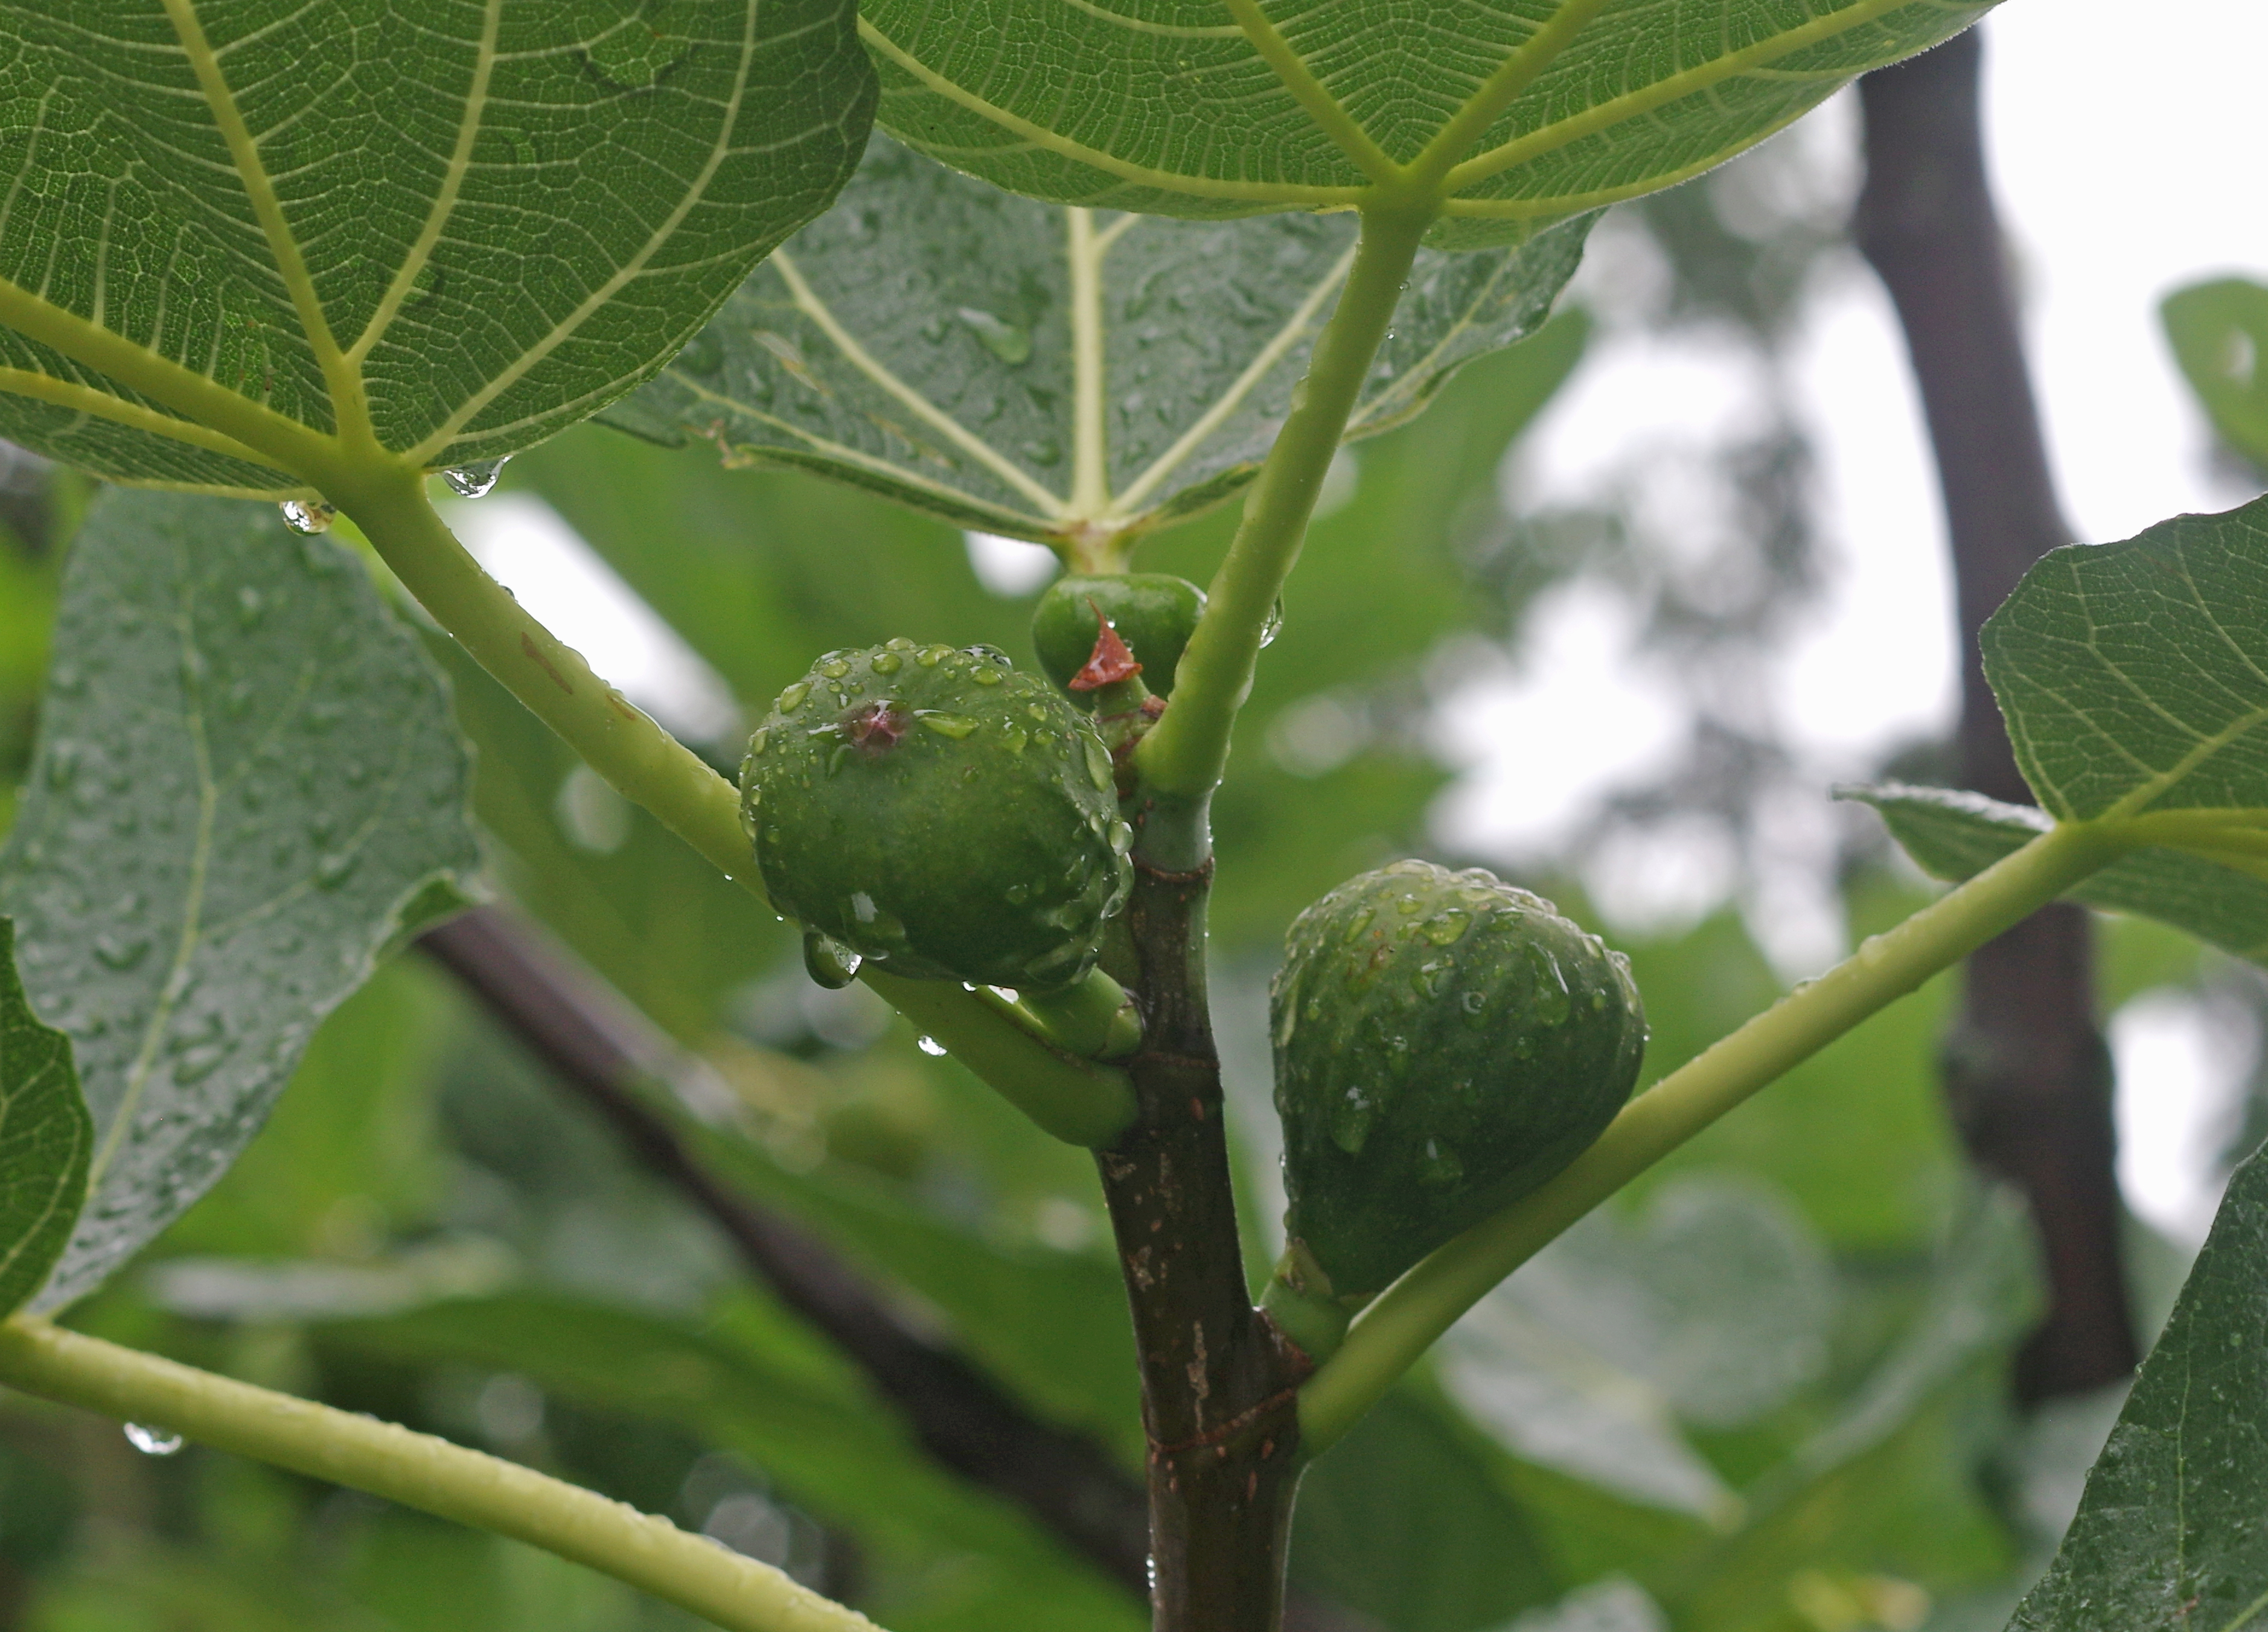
pixel 2026 1070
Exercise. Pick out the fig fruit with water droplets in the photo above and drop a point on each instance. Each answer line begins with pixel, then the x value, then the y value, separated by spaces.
pixel 932 810
pixel 1445 1043
pixel 1152 611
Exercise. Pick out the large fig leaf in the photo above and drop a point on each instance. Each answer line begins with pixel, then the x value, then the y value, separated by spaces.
pixel 1205 109
pixel 2134 676
pixel 46 1137
pixel 1956 835
pixel 247 783
pixel 2134 681
pixel 2168 1532
pixel 463 224
pixel 2219 336
pixel 1044 372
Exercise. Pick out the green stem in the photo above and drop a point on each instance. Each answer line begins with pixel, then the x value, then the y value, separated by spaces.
pixel 1079 1102
pixel 640 759
pixel 1388 1337
pixel 651 768
pixel 418 1471
pixel 1185 754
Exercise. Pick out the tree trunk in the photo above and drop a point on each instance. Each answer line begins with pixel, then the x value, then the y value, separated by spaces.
pixel 1219 1399
pixel 2026 1072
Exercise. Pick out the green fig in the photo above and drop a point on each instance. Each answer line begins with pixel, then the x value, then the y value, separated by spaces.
pixel 1152 611
pixel 930 810
pixel 1445 1043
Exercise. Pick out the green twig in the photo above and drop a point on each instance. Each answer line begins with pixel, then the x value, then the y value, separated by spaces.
pixel 1184 755
pixel 418 1471
pixel 651 768
pixel 1407 1319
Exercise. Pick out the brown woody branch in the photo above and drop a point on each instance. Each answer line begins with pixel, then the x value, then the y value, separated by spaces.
pixel 2026 1072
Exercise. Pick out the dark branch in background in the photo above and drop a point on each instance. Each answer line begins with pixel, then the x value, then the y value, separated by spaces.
pixel 2026 1072
pixel 601 1050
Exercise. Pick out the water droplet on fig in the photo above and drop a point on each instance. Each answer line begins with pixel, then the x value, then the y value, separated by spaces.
pixel 834 668
pixel 473 481
pixel 308 515
pixel 886 663
pixel 930 1046
pixel 956 726
pixel 791 699
pixel 829 961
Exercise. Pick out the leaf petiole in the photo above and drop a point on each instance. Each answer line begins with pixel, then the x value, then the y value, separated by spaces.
pixel 419 1471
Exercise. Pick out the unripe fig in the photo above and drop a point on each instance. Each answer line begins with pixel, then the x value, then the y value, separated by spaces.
pixel 932 809
pixel 1445 1043
pixel 1152 611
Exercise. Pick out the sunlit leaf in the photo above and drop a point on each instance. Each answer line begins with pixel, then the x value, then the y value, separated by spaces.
pixel 462 225
pixel 248 784
pixel 1172 106
pixel 1052 373
pixel 46 1138
pixel 2220 333
pixel 2168 1532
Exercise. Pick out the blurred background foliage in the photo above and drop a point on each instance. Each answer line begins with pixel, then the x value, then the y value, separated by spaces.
pixel 1763 1393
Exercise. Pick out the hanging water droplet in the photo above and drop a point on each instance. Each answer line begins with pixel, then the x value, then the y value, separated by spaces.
pixel 475 479
pixel 930 1046
pixel 1004 340
pixel 152 1441
pixel 1274 627
pixel 120 952
pixel 828 961
pixel 308 515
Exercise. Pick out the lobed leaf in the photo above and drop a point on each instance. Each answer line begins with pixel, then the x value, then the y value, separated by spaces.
pixel 46 1137
pixel 2169 1532
pixel 1954 836
pixel 1196 108
pixel 465 222
pixel 247 785
pixel 2219 331
pixel 2134 676
pixel 1046 373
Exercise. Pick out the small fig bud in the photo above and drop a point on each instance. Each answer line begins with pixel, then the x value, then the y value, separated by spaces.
pixel 1151 612
pixel 934 812
pixel 1445 1043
